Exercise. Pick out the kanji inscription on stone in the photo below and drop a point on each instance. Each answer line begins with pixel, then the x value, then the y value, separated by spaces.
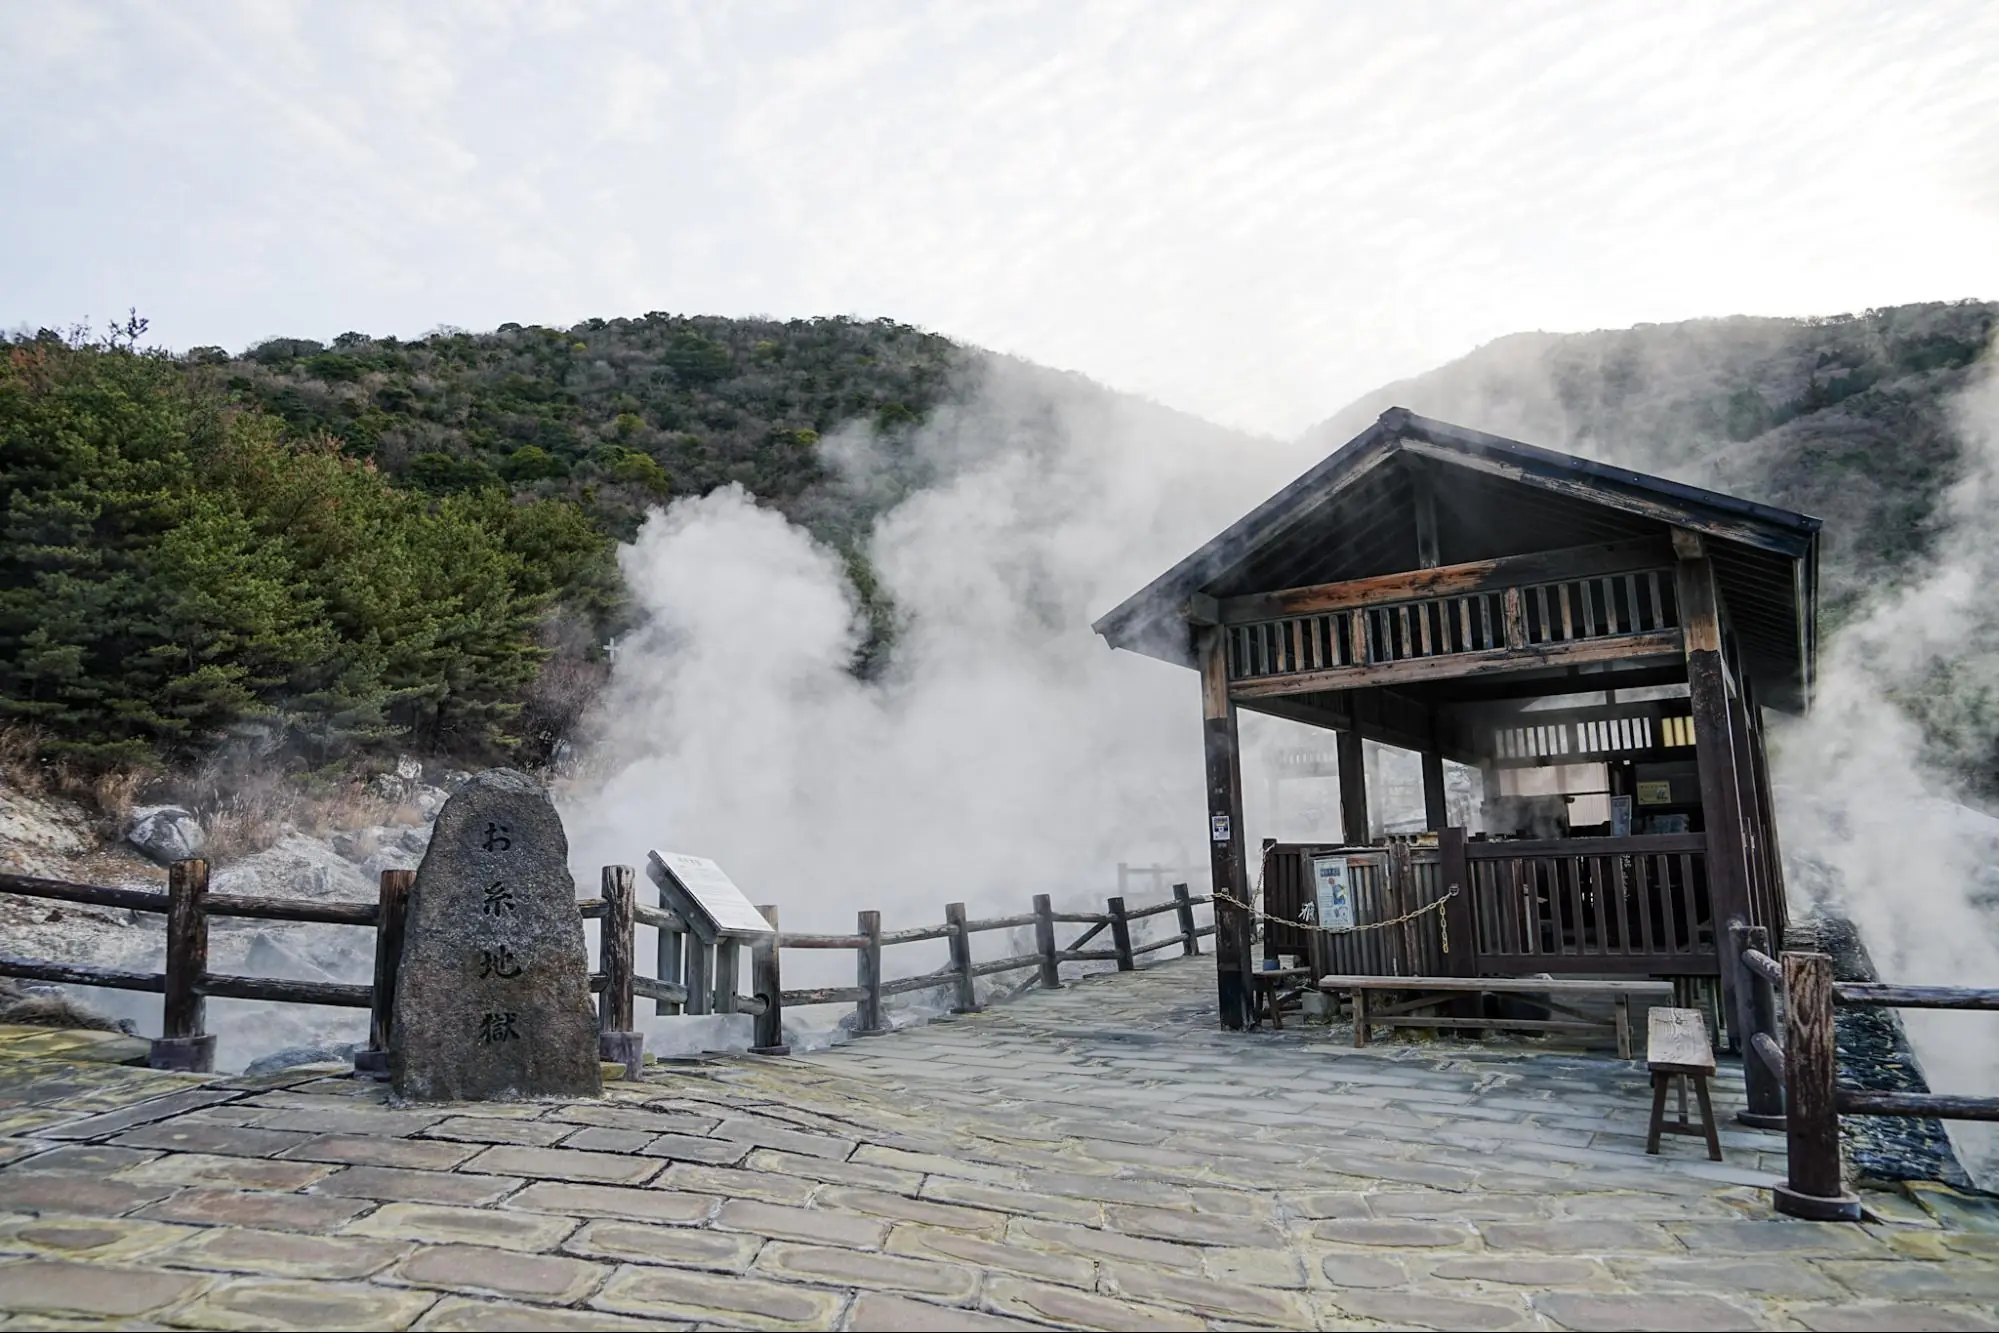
pixel 493 996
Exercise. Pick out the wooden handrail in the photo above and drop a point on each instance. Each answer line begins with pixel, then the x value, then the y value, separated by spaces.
pixel 1634 845
pixel 1859 994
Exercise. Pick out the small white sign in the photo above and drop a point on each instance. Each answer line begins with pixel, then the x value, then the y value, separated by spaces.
pixel 1218 828
pixel 1332 892
pixel 715 893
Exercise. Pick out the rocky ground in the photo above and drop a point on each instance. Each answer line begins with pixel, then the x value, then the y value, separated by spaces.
pixel 56 839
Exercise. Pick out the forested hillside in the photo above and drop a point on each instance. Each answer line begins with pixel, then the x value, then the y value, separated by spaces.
pixel 385 544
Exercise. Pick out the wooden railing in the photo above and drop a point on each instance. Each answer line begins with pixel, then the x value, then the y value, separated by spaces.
pixel 1637 904
pixel 1791 1073
pixel 1488 621
pixel 681 954
pixel 691 979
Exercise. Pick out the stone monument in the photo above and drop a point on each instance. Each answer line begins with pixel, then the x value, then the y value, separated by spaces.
pixel 493 995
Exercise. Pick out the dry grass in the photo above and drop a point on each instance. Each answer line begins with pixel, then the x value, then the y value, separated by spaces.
pixel 246 803
pixel 107 795
pixel 49 1011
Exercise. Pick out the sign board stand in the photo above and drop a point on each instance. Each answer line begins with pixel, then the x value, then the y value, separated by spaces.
pixel 719 920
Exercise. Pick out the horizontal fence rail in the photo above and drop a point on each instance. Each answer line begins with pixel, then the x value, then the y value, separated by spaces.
pixel 693 978
pixel 1790 1072
pixel 870 988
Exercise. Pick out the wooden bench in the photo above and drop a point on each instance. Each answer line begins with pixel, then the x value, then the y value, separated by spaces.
pixel 1264 997
pixel 1676 1047
pixel 1428 992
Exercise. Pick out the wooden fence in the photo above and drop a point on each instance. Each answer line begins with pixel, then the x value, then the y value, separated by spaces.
pixel 691 979
pixel 709 972
pixel 1791 1072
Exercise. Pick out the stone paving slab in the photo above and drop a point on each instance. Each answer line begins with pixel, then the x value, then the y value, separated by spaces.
pixel 1100 1157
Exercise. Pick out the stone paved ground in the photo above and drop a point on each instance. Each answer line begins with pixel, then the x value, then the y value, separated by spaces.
pixel 1098 1157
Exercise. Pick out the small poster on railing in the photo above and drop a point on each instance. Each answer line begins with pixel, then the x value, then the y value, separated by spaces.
pixel 1332 892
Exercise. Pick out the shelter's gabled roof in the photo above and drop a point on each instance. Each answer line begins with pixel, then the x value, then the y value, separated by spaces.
pixel 1353 516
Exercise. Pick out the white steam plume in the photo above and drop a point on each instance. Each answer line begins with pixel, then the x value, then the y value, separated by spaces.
pixel 1911 866
pixel 1006 751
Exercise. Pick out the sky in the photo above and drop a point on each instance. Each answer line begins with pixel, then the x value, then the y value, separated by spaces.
pixel 1251 212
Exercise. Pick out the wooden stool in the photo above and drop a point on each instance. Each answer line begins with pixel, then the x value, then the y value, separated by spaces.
pixel 1676 1047
pixel 1264 997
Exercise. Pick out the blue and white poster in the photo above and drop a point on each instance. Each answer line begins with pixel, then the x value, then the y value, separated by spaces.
pixel 1332 892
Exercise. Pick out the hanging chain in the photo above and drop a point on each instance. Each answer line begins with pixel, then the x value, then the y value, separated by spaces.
pixel 1443 926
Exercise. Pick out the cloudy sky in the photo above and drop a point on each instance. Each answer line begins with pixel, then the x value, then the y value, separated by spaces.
pixel 1254 212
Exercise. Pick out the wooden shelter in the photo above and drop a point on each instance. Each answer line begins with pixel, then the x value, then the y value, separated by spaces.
pixel 1537 615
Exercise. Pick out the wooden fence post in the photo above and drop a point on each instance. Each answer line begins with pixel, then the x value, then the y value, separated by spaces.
pixel 667 955
pixel 392 912
pixel 700 978
pixel 1454 873
pixel 1183 901
pixel 617 954
pixel 182 1044
pixel 728 953
pixel 1815 1189
pixel 868 975
pixel 1121 935
pixel 961 958
pixel 767 985
pixel 1755 1011
pixel 1044 942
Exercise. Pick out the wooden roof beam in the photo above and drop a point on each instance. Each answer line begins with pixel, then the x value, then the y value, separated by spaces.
pixel 1451 580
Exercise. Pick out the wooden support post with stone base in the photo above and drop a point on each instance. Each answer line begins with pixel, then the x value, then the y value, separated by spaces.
pixel 1228 870
pixel 1756 1018
pixel 960 939
pixel 182 1045
pixel 1121 935
pixel 1816 1188
pixel 767 985
pixel 868 975
pixel 617 951
pixel 1044 942
pixel 1183 907
pixel 393 902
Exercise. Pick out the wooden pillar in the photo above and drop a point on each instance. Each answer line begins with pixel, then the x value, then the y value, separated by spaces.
pixel 1044 942
pixel 1714 744
pixel 1766 813
pixel 1121 935
pixel 615 952
pixel 767 984
pixel 960 940
pixel 1353 789
pixel 1436 809
pixel 1454 878
pixel 668 951
pixel 1225 832
pixel 1816 1188
pixel 868 975
pixel 182 1045
pixel 1183 906
pixel 1755 1012
pixel 1755 862
pixel 392 912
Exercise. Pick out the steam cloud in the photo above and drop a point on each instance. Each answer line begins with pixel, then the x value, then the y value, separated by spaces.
pixel 1913 868
pixel 1007 752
